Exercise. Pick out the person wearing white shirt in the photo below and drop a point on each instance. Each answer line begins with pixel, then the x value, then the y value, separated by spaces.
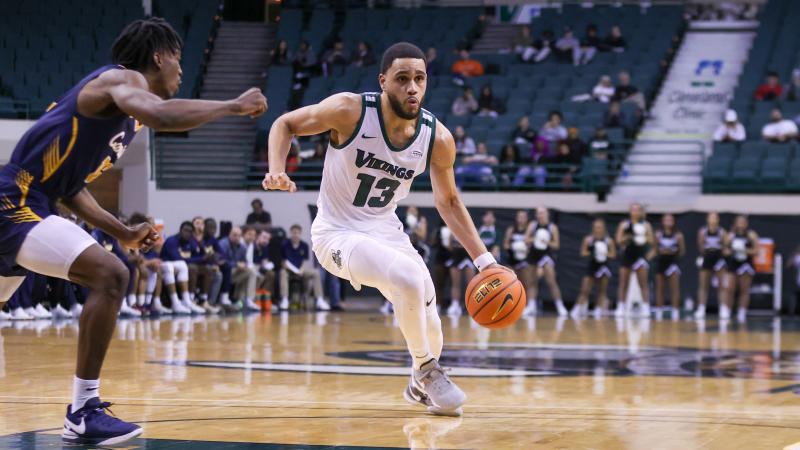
pixel 779 129
pixel 731 130
pixel 604 90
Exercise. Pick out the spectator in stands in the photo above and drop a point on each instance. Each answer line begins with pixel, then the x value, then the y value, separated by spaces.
pixel 771 89
pixel 553 131
pixel 615 118
pixel 245 277
pixel 779 129
pixel 543 46
pixel 334 56
pixel 522 45
pixel 280 55
pixel 509 159
pixel 577 147
pixel 464 144
pixel 589 44
pixel 562 166
pixel 206 272
pixel 432 63
pixel 792 90
pixel 568 48
pixel 488 105
pixel 263 267
pixel 467 67
pixel 625 92
pixel 233 253
pixel 614 41
pixel 465 104
pixel 604 90
pixel 318 157
pixel 731 130
pixel 477 168
pixel 210 246
pixel 600 148
pixel 297 261
pixel 259 218
pixel 364 55
pixel 303 64
pixel 293 159
pixel 523 134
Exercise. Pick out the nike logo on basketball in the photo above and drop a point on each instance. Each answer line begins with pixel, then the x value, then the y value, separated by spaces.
pixel 80 429
pixel 364 136
pixel 509 298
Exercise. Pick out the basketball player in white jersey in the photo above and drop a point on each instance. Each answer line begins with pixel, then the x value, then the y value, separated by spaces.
pixel 379 142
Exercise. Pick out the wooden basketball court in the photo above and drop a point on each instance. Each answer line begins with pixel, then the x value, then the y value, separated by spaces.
pixel 335 380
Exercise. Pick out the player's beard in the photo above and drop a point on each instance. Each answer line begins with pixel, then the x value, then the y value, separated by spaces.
pixel 397 108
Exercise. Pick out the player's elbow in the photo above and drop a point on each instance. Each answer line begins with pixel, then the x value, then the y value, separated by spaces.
pixel 448 202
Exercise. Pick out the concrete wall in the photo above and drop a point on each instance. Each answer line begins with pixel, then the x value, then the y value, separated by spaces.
pixel 10 132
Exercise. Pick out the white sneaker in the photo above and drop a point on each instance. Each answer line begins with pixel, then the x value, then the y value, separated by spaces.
pixel 576 312
pixel 644 311
pixel 620 311
pixel 250 305
pixel 193 307
pixel 157 308
pixel 741 315
pixel 597 312
pixel 225 301
pixel 530 309
pixel 700 313
pixel 386 308
pixel 20 314
pixel 284 305
pixel 659 314
pixel 60 313
pixel 126 310
pixel 179 308
pixel 76 310
pixel 43 312
pixel 724 312
pixel 4 315
pixel 454 309
pixel 322 305
pixel 675 315
pixel 562 310
pixel 31 311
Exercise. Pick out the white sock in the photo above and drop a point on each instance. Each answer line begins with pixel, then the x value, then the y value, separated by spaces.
pixel 187 298
pixel 420 360
pixel 131 299
pixel 284 299
pixel 83 390
pixel 140 300
pixel 225 298
pixel 174 299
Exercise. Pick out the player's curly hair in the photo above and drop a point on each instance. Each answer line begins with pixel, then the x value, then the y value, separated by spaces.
pixel 140 39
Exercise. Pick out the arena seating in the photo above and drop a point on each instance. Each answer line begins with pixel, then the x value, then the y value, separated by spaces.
pixel 756 165
pixel 41 67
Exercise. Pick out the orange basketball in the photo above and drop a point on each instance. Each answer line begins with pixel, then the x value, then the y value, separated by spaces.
pixel 495 298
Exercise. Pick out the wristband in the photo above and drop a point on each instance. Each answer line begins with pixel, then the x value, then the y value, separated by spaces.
pixel 483 261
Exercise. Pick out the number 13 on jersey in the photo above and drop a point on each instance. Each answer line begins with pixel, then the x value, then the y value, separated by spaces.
pixel 386 185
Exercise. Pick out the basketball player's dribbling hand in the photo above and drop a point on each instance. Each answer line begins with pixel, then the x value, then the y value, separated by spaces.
pixel 278 182
pixel 252 103
pixel 142 237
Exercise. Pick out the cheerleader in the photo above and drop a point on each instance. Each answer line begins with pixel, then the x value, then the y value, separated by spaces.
pixel 488 233
pixel 670 247
pixel 515 246
pixel 634 235
pixel 599 248
pixel 544 240
pixel 739 248
pixel 709 242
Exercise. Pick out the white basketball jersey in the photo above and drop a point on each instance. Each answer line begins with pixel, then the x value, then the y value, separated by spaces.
pixel 365 177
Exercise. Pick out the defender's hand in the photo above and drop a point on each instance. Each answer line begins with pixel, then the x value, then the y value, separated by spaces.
pixel 251 103
pixel 278 182
pixel 141 236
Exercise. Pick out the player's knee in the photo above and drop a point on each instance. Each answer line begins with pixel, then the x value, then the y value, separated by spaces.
pixel 408 278
pixel 181 271
pixel 112 279
pixel 168 273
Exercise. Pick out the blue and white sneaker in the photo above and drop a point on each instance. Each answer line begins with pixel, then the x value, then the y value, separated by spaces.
pixel 91 425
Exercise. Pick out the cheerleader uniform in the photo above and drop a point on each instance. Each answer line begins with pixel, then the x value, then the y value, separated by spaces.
pixel 518 252
pixel 739 261
pixel 540 249
pixel 712 253
pixel 667 263
pixel 633 257
pixel 598 258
